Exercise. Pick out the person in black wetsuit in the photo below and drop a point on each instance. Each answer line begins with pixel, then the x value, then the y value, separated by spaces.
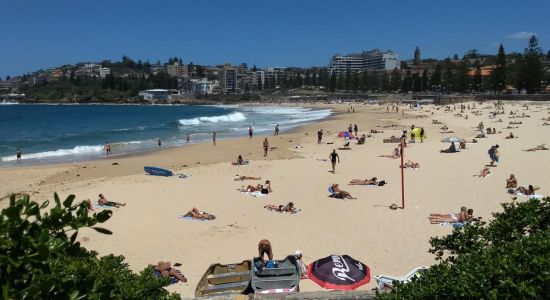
pixel 333 157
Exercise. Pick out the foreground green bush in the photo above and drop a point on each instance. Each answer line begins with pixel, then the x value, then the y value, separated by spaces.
pixel 41 259
pixel 509 258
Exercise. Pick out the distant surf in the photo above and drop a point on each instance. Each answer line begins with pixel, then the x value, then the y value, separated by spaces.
pixel 232 117
pixel 66 133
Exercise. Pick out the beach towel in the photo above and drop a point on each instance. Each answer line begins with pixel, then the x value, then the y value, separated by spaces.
pixel 536 196
pixel 297 211
pixel 192 219
pixel 173 280
pixel 99 206
pixel 256 194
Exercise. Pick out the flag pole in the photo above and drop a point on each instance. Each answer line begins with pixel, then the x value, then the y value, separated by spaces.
pixel 402 176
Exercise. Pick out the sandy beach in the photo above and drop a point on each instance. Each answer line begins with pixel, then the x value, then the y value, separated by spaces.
pixel 393 242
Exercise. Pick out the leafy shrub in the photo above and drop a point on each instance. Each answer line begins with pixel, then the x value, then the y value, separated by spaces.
pixel 509 258
pixel 41 259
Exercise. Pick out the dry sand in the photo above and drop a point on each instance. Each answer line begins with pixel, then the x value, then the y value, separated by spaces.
pixel 389 242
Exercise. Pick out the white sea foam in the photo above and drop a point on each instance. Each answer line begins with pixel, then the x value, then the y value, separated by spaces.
pixel 78 150
pixel 232 117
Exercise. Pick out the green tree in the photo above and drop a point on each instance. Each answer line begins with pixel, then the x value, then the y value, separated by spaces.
pixel 40 257
pixel 531 71
pixel 448 76
pixel 435 80
pixel 355 81
pixel 424 81
pixel 332 83
pixel 364 85
pixel 461 78
pixel 395 80
pixel 508 258
pixel 498 77
pixel 347 80
pixel 307 78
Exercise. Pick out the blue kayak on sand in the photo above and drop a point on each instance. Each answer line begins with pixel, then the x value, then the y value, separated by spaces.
pixel 156 171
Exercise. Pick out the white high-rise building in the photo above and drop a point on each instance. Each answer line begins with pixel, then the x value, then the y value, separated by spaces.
pixel 368 60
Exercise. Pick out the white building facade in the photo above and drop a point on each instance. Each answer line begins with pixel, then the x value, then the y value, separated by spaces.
pixel 369 60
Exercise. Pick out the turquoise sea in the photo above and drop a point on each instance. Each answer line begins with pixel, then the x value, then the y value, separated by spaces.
pixel 66 133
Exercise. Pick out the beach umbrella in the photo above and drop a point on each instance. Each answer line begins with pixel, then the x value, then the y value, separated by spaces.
pixel 344 134
pixel 339 272
pixel 451 139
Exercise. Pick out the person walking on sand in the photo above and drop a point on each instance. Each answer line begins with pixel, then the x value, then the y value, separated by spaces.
pixel 18 155
pixel 107 148
pixel 250 131
pixel 355 128
pixel 188 138
pixel 276 130
pixel 319 136
pixel 333 157
pixel 266 147
pixel 214 137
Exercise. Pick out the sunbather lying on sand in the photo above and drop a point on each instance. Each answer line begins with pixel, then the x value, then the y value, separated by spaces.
pixel 165 269
pixel 340 194
pixel 511 182
pixel 394 155
pixel 537 148
pixel 199 214
pixel 462 216
pixel 103 201
pixel 243 177
pixel 444 127
pixel 484 173
pixel 282 208
pixel 410 164
pixel 264 189
pixel 380 131
pixel 530 190
pixel 372 181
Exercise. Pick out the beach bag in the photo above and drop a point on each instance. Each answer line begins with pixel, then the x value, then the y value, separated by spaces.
pixel 382 183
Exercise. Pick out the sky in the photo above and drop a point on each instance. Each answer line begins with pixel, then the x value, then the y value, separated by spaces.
pixel 36 34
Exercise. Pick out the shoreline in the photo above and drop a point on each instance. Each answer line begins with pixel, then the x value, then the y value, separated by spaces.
pixel 59 160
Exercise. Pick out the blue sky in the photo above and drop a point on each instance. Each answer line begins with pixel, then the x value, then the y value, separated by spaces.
pixel 40 34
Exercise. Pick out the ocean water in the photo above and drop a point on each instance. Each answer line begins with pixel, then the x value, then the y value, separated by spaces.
pixel 66 133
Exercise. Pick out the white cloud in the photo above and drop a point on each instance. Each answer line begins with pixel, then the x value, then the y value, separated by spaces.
pixel 521 35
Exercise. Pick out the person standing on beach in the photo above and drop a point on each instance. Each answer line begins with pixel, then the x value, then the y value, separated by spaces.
pixel 276 130
pixel 355 128
pixel 18 155
pixel 188 138
pixel 159 142
pixel 350 129
pixel 422 134
pixel 250 131
pixel 107 148
pixel 214 137
pixel 333 157
pixel 264 247
pixel 319 136
pixel 266 147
